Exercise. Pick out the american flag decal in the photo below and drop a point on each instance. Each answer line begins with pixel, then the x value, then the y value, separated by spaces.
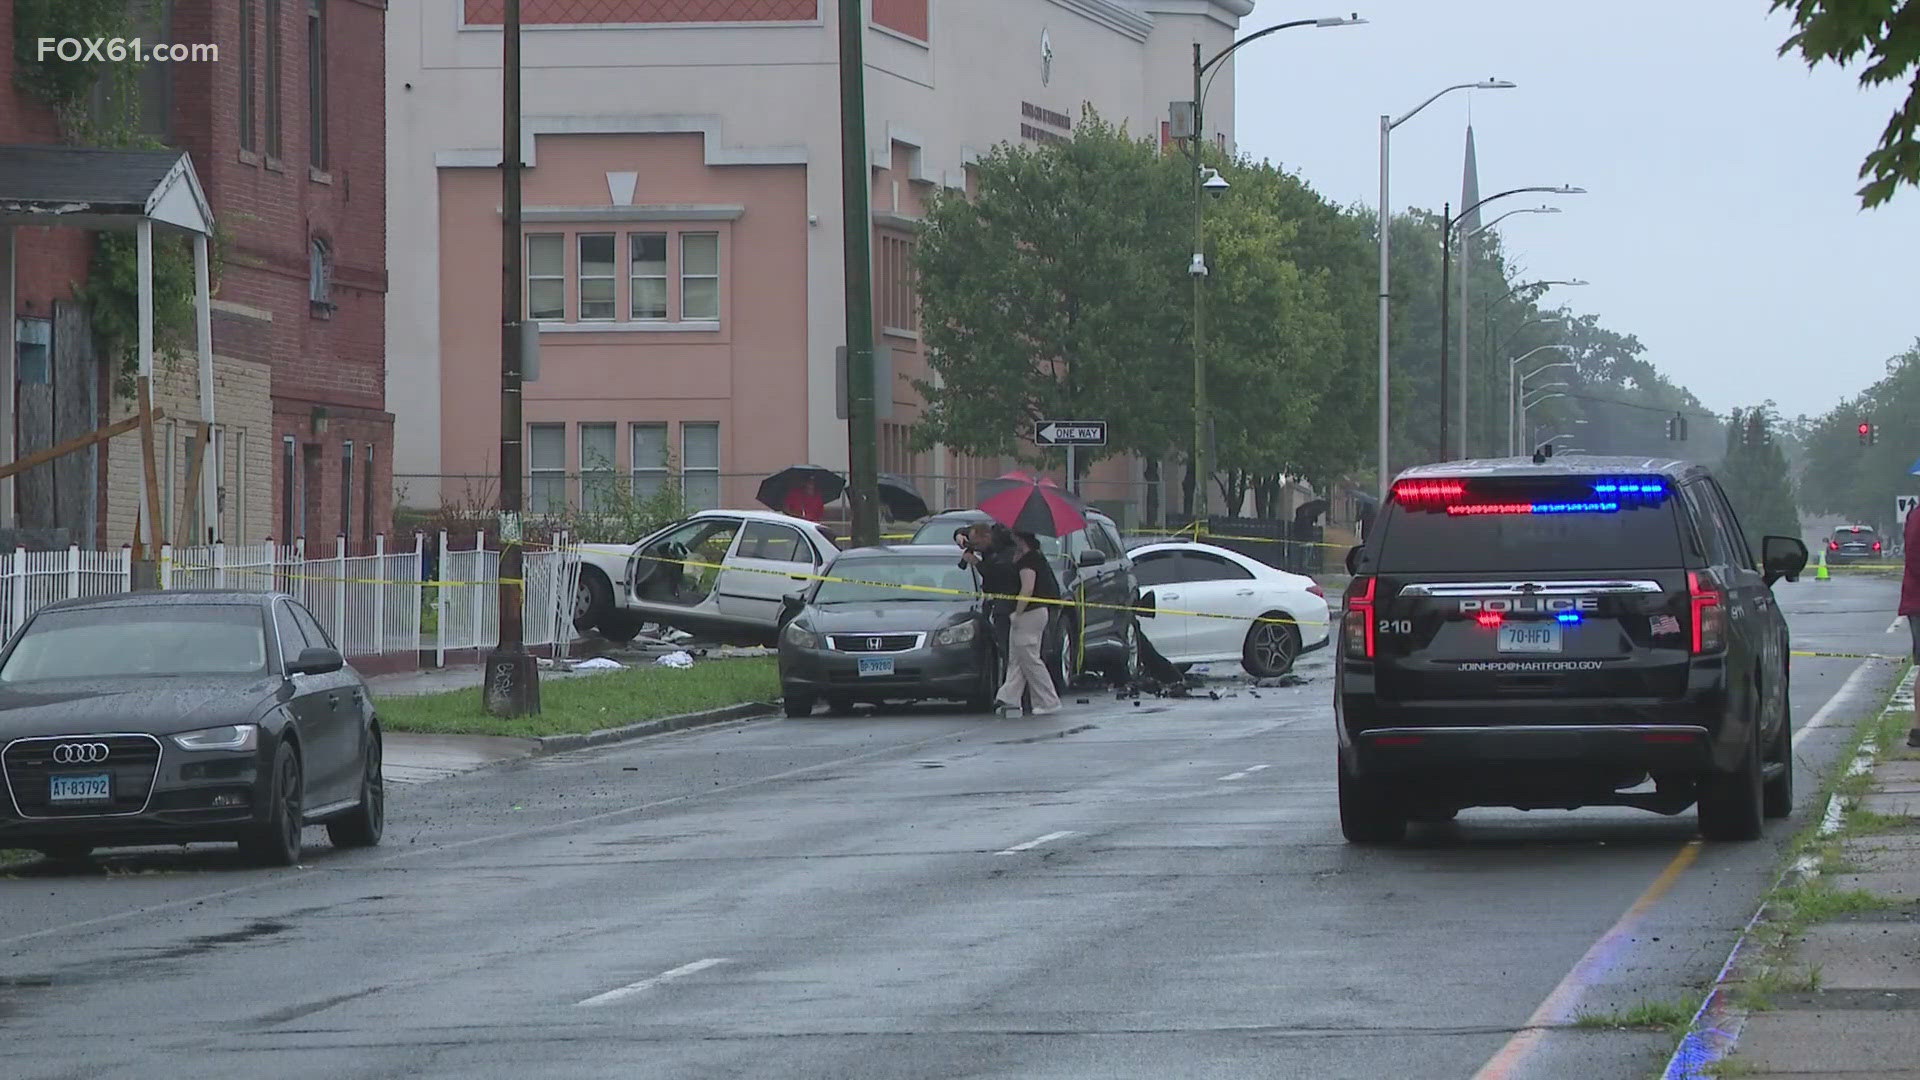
pixel 1666 624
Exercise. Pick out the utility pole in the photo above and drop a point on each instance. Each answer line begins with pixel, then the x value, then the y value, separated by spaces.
pixel 1198 271
pixel 863 436
pixel 1446 267
pixel 512 678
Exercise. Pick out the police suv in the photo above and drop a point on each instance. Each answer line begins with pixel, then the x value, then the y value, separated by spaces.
pixel 1558 633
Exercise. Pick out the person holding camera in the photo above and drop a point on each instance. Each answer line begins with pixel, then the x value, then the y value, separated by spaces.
pixel 988 550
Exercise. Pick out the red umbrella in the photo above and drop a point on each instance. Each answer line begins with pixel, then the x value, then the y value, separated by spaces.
pixel 1026 504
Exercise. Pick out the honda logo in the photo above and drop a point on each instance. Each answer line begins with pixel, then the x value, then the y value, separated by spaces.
pixel 873 644
pixel 80 753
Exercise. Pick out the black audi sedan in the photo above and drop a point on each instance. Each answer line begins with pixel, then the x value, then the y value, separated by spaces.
pixel 181 717
pixel 906 624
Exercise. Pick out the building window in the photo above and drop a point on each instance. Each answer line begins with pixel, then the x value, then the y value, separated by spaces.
pixel 700 465
pixel 647 274
pixel 33 350
pixel 346 489
pixel 272 72
pixel 597 300
pixel 596 467
pixel 700 276
pixel 317 85
pixel 649 460
pixel 898 310
pixel 287 478
pixel 547 276
pixel 320 275
pixel 366 495
pixel 247 74
pixel 896 450
pixel 547 462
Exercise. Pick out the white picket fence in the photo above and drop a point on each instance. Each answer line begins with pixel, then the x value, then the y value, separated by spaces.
pixel 373 605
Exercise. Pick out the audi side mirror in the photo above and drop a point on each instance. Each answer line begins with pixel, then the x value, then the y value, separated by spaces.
pixel 1782 557
pixel 317 661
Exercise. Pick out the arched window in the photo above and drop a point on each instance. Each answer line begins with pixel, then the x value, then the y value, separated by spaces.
pixel 320 275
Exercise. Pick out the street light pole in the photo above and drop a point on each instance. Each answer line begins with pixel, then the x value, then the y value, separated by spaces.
pixel 863 483
pixel 512 680
pixel 1385 225
pixel 1513 392
pixel 1197 500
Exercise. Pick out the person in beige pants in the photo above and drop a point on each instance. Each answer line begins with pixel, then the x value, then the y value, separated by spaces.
pixel 1026 672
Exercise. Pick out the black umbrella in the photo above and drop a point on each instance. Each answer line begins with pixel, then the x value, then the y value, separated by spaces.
pixel 901 499
pixel 775 489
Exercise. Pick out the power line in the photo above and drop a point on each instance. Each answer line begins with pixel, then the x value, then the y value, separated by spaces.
pixel 1649 408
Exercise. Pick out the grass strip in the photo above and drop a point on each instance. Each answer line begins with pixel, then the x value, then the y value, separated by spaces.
pixel 588 703
pixel 1670 1015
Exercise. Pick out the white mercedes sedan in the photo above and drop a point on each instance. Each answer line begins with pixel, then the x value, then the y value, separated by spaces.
pixel 1216 605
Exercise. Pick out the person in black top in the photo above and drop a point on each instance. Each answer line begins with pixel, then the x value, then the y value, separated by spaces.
pixel 1026 672
pixel 988 549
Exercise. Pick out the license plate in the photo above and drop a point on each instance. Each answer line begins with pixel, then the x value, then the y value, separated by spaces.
pixel 1541 637
pixel 875 665
pixel 91 787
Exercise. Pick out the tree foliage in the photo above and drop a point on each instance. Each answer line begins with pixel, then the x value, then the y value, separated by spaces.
pixel 1755 477
pixel 1886 34
pixel 1839 475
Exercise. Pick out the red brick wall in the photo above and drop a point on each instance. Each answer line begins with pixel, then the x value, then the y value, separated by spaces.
pixel 560 12
pixel 271 209
pixel 48 261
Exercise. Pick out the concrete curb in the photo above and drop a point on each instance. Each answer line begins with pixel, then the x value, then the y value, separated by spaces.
pixel 751 710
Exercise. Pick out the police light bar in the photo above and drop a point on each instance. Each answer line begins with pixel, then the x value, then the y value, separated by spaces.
pixel 1605 495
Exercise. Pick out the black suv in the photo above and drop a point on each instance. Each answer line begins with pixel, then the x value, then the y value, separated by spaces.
pixel 1558 633
pixel 1854 543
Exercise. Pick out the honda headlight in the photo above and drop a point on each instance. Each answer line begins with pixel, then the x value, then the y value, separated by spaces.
pixel 801 638
pixel 238 737
pixel 955 635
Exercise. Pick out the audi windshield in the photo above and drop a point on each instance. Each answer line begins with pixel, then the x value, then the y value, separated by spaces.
pixel 121 642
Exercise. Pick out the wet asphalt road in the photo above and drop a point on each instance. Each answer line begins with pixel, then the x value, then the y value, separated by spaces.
pixel 1151 890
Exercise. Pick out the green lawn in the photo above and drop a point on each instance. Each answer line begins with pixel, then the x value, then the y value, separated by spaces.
pixel 589 703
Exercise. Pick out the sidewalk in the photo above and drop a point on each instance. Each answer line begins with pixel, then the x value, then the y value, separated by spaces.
pixel 1836 991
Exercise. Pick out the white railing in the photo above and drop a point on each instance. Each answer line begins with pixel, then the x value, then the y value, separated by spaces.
pixel 371 604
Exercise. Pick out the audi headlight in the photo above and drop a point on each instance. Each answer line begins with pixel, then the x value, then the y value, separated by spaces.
pixel 231 737
pixel 800 637
pixel 955 635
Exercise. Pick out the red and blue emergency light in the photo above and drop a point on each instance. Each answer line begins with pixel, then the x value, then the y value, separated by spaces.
pixel 1604 495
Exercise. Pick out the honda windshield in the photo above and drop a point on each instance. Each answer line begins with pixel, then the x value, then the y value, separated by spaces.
pixel 894 580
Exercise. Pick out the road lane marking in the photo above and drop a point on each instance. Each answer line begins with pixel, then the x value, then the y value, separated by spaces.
pixel 1557 1008
pixel 1894 626
pixel 631 989
pixel 1031 844
pixel 1244 773
pixel 285 880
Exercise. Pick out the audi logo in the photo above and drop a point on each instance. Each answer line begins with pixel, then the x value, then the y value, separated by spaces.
pixel 80 753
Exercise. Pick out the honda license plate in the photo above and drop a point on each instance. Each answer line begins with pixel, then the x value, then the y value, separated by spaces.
pixel 1530 637
pixel 90 787
pixel 875 665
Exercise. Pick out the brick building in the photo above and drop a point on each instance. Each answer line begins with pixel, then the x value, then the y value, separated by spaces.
pixel 284 122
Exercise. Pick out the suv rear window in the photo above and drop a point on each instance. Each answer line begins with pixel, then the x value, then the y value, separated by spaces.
pixel 1473 525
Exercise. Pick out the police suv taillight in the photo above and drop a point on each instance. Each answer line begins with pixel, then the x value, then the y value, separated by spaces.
pixel 1709 615
pixel 1357 625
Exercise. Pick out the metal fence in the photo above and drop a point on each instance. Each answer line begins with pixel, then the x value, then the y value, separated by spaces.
pixel 386 603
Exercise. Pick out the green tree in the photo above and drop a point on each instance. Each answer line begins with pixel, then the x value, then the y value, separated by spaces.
pixel 1842 476
pixel 1754 475
pixel 1057 290
pixel 1887 34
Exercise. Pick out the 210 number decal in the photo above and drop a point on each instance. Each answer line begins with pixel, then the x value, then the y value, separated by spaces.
pixel 1396 626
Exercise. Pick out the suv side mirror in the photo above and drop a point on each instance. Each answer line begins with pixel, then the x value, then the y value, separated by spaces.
pixel 1782 557
pixel 1353 558
pixel 1093 558
pixel 317 661
pixel 1146 605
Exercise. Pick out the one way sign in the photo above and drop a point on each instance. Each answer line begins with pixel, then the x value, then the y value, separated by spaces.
pixel 1903 505
pixel 1070 433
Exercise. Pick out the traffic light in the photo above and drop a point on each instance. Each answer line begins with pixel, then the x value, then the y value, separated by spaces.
pixel 1866 434
pixel 1677 428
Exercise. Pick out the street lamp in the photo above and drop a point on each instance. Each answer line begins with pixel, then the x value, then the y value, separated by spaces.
pixel 1510 213
pixel 1513 391
pixel 1448 224
pixel 1387 124
pixel 1526 405
pixel 1217 185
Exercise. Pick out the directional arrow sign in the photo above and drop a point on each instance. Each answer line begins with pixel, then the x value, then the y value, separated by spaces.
pixel 1070 433
pixel 1903 505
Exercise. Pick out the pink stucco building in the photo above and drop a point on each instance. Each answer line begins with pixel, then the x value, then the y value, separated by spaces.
pixel 682 218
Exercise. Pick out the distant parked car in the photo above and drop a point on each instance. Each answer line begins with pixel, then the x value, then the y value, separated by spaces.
pixel 1855 543
pixel 719 574
pixel 1252 595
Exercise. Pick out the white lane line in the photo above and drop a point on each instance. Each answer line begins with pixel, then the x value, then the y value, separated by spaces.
pixel 1842 698
pixel 631 989
pixel 1029 845
pixel 1894 626
pixel 1244 773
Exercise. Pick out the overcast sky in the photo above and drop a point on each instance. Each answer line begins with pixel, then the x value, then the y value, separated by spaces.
pixel 1721 225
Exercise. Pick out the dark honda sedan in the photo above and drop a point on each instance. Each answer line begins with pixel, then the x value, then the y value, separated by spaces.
pixel 907 624
pixel 178 717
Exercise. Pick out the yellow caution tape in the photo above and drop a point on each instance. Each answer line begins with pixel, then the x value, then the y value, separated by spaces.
pixel 1847 655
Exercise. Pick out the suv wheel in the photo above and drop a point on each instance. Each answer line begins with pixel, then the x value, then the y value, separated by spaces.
pixel 1731 803
pixel 1062 664
pixel 1777 795
pixel 1368 814
pixel 1125 668
pixel 799 705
